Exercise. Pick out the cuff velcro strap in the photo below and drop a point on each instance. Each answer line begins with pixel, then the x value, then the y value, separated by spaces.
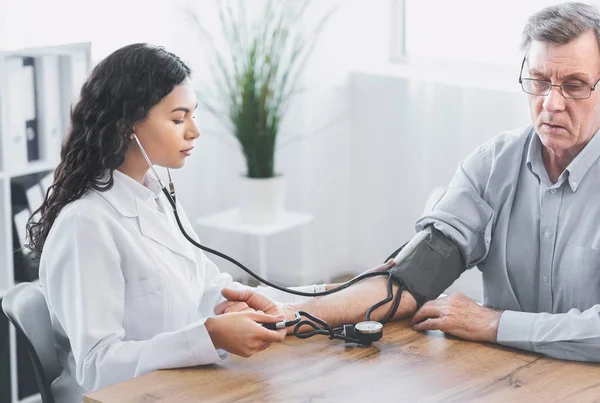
pixel 431 268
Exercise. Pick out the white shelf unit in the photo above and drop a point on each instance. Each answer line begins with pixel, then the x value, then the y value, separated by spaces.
pixel 6 241
pixel 59 73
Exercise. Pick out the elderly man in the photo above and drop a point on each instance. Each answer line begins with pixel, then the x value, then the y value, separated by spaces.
pixel 524 208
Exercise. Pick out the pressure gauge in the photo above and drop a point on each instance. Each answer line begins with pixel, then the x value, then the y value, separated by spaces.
pixel 369 331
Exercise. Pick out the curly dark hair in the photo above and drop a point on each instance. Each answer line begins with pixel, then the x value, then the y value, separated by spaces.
pixel 119 92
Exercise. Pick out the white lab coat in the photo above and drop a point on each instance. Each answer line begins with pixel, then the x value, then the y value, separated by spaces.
pixel 127 293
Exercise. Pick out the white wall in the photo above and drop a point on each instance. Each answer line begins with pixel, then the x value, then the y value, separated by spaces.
pixel 409 136
pixel 108 24
pixel 360 151
pixel 392 138
pixel 314 152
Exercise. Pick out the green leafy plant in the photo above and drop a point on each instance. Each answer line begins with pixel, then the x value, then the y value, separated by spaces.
pixel 257 72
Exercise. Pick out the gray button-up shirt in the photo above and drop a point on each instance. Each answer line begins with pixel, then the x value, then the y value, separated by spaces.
pixel 536 243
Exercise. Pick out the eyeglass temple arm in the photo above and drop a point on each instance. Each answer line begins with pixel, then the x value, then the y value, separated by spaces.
pixel 521 71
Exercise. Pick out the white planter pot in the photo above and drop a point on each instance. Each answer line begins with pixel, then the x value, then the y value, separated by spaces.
pixel 261 200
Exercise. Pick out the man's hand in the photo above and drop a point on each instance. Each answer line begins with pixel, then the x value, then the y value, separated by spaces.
pixel 460 316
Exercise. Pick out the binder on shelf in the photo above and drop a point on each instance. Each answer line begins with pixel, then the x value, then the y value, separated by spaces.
pixel 16 115
pixel 31 123
pixel 35 198
pixel 20 220
pixel 79 63
pixel 26 267
pixel 74 72
pixel 46 182
pixel 28 83
pixel 22 195
pixel 49 117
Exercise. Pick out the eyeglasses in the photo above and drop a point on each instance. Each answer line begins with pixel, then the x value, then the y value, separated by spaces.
pixel 568 90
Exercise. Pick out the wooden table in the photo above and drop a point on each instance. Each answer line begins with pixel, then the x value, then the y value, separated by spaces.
pixel 403 366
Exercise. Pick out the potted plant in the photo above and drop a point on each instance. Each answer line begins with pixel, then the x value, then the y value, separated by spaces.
pixel 255 73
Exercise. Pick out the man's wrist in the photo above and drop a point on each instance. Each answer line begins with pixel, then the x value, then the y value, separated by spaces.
pixel 492 327
pixel 290 314
pixel 408 305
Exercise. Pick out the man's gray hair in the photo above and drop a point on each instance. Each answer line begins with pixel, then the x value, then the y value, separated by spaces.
pixel 560 24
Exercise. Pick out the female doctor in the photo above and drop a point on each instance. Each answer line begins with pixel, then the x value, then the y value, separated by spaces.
pixel 127 293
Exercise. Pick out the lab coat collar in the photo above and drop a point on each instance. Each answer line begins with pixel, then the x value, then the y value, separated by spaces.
pixel 127 194
pixel 162 229
pixel 132 199
pixel 120 195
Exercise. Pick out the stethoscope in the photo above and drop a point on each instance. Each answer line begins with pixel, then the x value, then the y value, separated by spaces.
pixel 363 333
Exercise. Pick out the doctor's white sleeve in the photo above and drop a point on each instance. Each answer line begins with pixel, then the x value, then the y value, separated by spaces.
pixel 85 291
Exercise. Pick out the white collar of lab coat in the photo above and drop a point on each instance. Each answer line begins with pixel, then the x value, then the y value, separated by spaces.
pixel 125 191
pixel 132 199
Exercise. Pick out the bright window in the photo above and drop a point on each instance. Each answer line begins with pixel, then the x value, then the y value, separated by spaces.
pixel 465 30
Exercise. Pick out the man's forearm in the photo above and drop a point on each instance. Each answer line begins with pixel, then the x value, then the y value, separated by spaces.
pixel 351 304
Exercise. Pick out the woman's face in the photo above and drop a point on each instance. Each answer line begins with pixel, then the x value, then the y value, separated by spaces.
pixel 168 132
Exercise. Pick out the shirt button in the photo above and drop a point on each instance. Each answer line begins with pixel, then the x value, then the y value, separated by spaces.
pixel 547 234
pixel 545 279
pixel 574 184
pixel 552 191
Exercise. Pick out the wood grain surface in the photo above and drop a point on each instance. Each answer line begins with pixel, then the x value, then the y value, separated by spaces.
pixel 403 366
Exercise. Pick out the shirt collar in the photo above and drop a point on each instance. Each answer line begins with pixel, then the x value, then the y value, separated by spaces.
pixel 583 161
pixel 148 191
pixel 535 162
pixel 576 170
pixel 126 193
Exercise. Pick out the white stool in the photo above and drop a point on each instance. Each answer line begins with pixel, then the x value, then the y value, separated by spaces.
pixel 229 221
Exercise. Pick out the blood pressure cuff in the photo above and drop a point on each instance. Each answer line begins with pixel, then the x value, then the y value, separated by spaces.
pixel 433 265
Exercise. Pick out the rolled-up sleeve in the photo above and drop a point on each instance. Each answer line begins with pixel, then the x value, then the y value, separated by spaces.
pixel 574 335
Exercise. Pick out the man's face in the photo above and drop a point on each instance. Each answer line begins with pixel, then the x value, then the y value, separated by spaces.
pixel 565 125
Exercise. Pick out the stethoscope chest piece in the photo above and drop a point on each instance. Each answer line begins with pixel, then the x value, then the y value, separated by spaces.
pixel 364 332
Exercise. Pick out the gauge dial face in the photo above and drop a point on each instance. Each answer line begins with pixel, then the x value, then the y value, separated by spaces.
pixel 369 327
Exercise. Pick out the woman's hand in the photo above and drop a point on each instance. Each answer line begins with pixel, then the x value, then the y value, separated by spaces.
pixel 241 333
pixel 247 300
